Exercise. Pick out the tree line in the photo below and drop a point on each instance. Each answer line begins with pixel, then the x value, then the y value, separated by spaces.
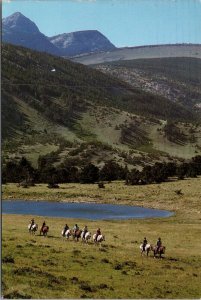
pixel 23 171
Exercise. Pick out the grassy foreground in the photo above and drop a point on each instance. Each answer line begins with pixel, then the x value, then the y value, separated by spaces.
pixel 38 267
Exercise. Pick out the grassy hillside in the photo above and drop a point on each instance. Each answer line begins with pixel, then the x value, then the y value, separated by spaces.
pixel 45 110
pixel 37 267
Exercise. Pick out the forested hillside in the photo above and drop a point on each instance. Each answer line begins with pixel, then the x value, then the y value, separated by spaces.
pixel 178 79
pixel 72 113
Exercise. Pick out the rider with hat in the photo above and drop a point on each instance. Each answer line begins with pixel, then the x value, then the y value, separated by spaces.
pixel 75 228
pixel 43 225
pixel 65 229
pixel 158 244
pixel 85 230
pixel 144 243
pixel 98 232
pixel 32 223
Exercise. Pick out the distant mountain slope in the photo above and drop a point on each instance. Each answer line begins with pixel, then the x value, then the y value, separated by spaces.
pixel 52 104
pixel 61 94
pixel 178 79
pixel 19 30
pixel 143 52
pixel 86 41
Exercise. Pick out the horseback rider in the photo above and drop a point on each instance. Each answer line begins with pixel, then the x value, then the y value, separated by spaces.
pixel 65 229
pixel 44 224
pixel 75 228
pixel 98 232
pixel 144 243
pixel 32 223
pixel 158 244
pixel 85 230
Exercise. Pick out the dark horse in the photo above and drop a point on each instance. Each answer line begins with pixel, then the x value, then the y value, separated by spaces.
pixel 77 234
pixel 159 251
pixel 44 230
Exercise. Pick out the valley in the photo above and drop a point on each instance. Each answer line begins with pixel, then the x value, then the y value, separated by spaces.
pixel 68 269
pixel 87 123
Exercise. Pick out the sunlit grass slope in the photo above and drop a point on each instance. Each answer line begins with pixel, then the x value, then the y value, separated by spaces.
pixel 38 267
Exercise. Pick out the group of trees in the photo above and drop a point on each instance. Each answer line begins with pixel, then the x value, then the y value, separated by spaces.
pixel 159 172
pixel 47 173
pixel 174 134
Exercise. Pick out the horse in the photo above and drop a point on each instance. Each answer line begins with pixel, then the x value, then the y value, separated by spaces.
pixel 33 228
pixel 159 251
pixel 148 247
pixel 99 239
pixel 87 236
pixel 67 234
pixel 77 234
pixel 44 230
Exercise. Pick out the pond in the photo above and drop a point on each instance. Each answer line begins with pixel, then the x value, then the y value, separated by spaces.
pixel 90 211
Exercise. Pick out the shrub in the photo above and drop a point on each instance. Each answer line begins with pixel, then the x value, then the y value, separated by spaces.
pixel 89 174
pixel 52 185
pixel 8 259
pixel 101 185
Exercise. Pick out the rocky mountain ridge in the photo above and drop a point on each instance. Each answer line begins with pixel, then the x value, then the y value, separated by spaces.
pixel 80 42
pixel 88 46
pixel 19 30
pixel 19 22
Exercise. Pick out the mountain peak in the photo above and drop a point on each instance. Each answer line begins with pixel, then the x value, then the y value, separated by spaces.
pixel 17 14
pixel 19 30
pixel 79 42
pixel 19 22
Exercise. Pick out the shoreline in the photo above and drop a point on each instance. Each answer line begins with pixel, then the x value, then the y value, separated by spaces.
pixel 137 215
pixel 134 204
pixel 182 198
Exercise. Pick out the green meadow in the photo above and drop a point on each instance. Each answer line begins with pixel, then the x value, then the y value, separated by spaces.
pixel 53 267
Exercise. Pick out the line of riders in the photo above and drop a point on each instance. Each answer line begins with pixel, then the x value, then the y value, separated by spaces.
pixel 76 232
pixel 85 235
pixel 33 227
pixel 157 249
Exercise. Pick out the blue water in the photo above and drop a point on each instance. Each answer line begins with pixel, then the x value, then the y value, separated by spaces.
pixel 90 211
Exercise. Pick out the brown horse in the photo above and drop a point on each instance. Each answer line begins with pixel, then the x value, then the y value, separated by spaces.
pixel 77 234
pixel 159 251
pixel 44 230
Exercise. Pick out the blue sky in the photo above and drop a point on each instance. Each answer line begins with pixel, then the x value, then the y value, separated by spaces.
pixel 124 22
